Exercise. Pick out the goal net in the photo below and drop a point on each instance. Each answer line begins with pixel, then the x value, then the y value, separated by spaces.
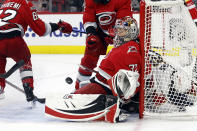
pixel 168 38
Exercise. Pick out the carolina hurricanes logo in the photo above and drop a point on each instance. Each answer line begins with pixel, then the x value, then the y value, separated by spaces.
pixel 106 18
pixel 132 49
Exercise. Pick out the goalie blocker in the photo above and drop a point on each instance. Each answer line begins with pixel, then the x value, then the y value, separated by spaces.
pixel 92 107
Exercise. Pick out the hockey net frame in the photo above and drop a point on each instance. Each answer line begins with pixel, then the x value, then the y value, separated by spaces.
pixel 170 101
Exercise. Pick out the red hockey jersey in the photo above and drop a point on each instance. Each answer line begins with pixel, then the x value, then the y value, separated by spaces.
pixel 21 13
pixel 105 16
pixel 126 57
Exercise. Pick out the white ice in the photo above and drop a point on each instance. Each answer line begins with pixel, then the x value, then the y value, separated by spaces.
pixel 50 72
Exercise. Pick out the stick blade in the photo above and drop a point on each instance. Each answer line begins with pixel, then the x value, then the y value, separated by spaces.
pixel 40 100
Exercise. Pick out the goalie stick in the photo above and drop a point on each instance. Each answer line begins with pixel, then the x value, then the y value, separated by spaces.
pixel 40 100
pixel 13 69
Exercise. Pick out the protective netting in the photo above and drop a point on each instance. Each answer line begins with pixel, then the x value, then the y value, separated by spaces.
pixel 170 71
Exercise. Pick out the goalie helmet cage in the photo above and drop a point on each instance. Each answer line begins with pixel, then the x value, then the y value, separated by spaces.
pixel 169 77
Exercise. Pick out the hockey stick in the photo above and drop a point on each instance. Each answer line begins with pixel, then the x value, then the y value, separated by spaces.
pixel 40 100
pixel 79 31
pixel 13 69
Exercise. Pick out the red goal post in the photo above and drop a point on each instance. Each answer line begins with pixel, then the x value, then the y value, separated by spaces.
pixel 169 66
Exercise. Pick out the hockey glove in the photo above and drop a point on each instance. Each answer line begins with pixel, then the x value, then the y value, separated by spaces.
pixel 92 39
pixel 64 27
pixel 28 92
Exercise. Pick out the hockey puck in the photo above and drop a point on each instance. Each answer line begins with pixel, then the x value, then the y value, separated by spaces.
pixel 69 80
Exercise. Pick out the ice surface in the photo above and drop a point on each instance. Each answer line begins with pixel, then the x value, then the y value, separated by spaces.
pixel 50 72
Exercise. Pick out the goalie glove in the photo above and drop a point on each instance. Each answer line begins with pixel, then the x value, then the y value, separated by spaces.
pixel 64 27
pixel 124 83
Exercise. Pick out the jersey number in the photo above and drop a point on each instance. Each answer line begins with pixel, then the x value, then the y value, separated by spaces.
pixel 10 14
pixel 35 16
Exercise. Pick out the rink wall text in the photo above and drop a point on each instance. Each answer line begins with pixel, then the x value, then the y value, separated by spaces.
pixel 57 42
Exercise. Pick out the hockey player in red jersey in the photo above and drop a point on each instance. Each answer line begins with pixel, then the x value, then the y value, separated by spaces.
pixel 118 57
pixel 192 9
pixel 98 17
pixel 116 82
pixel 15 16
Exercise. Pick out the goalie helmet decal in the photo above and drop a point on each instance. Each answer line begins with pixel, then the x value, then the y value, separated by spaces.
pixel 126 29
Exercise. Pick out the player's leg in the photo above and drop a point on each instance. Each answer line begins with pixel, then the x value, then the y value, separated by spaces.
pixel 26 74
pixel 2 71
pixel 90 60
pixel 2 66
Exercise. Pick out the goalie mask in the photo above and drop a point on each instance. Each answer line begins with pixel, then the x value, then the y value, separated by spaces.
pixel 126 29
pixel 102 1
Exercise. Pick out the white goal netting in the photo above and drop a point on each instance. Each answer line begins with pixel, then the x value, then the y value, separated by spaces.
pixel 170 62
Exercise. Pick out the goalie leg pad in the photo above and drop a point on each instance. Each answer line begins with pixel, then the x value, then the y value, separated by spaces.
pixel 113 113
pixel 90 62
pixel 78 107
